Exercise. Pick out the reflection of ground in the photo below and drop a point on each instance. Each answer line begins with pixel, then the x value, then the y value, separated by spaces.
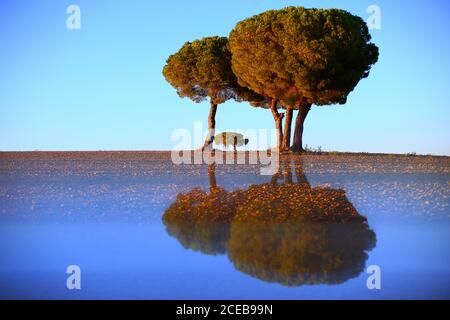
pixel 288 233
pixel 140 185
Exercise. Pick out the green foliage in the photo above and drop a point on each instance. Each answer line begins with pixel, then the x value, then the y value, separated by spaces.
pixel 302 55
pixel 202 69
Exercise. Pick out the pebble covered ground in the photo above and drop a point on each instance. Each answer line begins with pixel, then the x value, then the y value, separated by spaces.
pixel 141 185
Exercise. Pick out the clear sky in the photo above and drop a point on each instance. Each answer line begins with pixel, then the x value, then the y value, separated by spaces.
pixel 101 87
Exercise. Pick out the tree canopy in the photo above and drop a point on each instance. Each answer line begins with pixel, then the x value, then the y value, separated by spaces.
pixel 202 69
pixel 300 55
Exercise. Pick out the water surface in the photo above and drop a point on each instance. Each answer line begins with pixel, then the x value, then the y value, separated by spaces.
pixel 141 227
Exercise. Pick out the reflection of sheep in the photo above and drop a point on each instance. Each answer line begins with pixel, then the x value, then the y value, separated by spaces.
pixel 231 139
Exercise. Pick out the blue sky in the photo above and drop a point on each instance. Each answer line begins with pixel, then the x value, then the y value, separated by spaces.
pixel 101 87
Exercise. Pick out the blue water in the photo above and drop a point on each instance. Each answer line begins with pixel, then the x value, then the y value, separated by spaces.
pixel 106 217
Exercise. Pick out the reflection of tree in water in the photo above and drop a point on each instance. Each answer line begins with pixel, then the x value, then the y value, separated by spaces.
pixel 201 220
pixel 288 233
pixel 293 234
pixel 300 252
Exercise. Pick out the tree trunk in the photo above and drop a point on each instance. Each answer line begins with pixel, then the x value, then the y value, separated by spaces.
pixel 297 145
pixel 299 172
pixel 287 163
pixel 277 176
pixel 212 177
pixel 278 117
pixel 287 129
pixel 211 126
